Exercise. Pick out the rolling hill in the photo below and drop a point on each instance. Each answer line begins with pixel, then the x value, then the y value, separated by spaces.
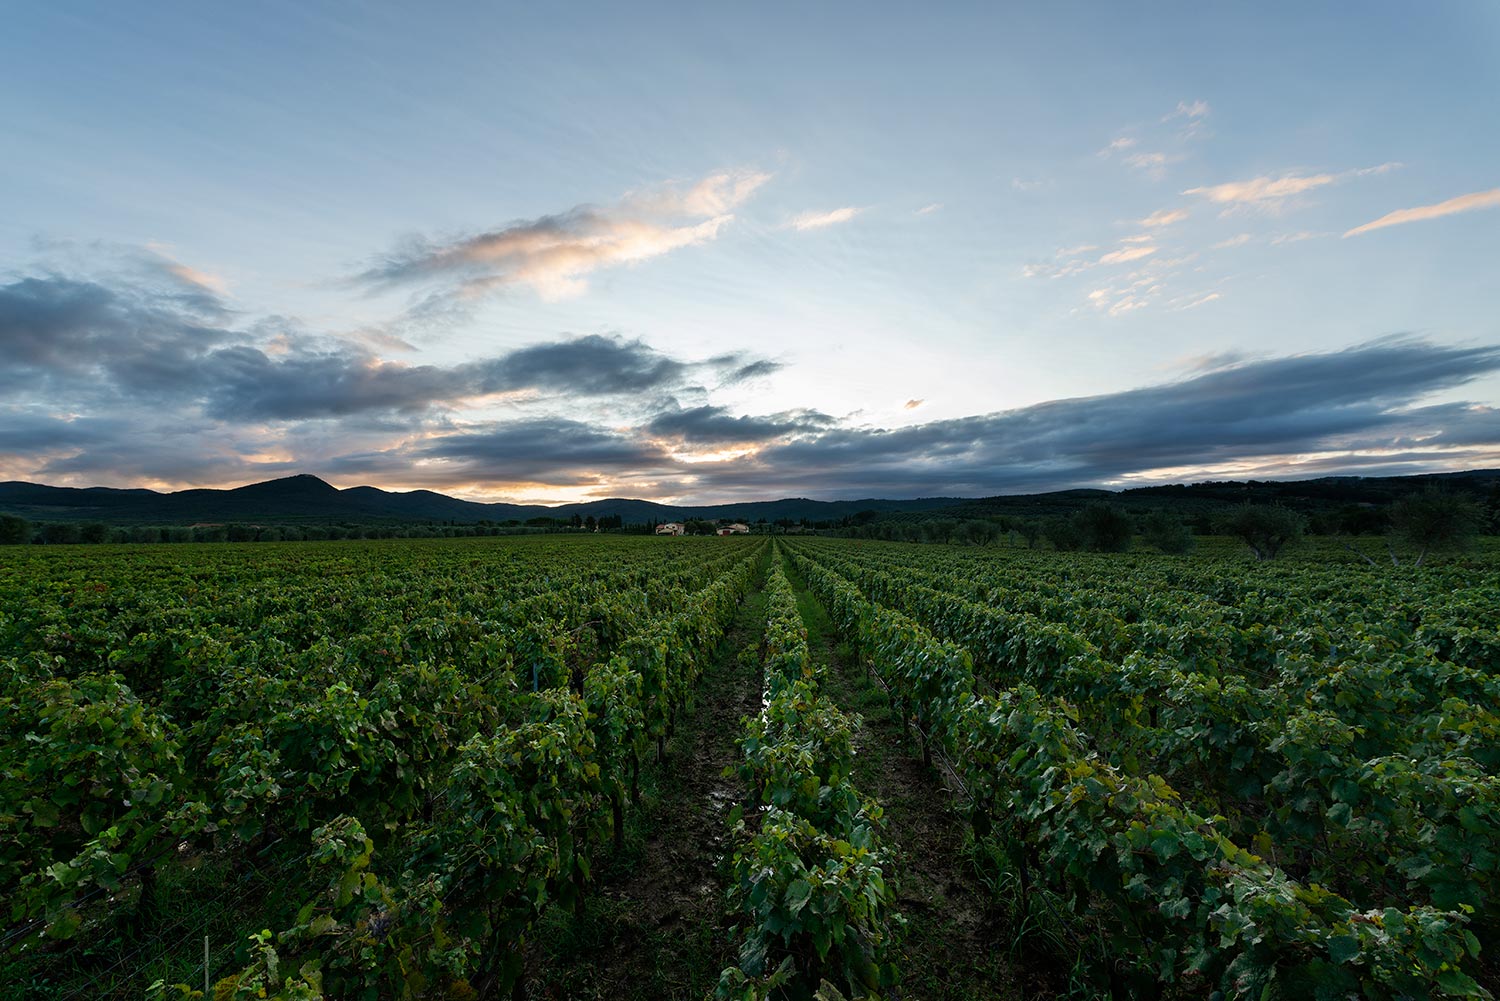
pixel 307 498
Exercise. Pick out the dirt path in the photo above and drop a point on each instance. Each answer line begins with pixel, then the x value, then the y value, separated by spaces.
pixel 656 928
pixel 954 947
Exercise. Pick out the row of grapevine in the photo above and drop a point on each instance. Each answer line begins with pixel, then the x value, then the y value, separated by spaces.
pixel 482 741
pixel 1377 779
pixel 1176 897
pixel 808 867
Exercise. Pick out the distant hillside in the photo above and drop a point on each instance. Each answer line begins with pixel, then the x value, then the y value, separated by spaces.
pixel 307 499
pixel 1310 496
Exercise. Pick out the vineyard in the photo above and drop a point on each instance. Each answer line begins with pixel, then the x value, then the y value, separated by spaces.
pixel 743 768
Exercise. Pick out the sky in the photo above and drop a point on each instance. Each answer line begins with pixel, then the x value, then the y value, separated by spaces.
pixel 707 253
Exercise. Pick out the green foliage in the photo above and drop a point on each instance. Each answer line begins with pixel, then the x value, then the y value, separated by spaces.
pixel 1436 521
pixel 1104 528
pixel 1165 531
pixel 819 899
pixel 1063 532
pixel 448 733
pixel 1265 528
pixel 14 530
pixel 1382 786
pixel 808 870
pixel 1257 777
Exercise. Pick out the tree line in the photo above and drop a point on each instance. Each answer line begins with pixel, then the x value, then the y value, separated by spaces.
pixel 1430 521
pixel 15 530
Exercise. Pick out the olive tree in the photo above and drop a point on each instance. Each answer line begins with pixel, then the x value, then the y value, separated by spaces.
pixel 1166 532
pixel 1265 528
pixel 1104 528
pixel 14 530
pixel 1434 521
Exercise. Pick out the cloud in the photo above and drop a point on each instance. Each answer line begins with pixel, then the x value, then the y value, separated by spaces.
pixel 1071 263
pixel 1152 162
pixel 929 209
pixel 1463 203
pixel 715 425
pixel 1196 301
pixel 714 195
pixel 1147 161
pixel 1125 254
pixel 820 220
pixel 1195 109
pixel 1271 194
pixel 195 279
pixel 81 341
pixel 55 328
pixel 1234 241
pixel 748 370
pixel 554 254
pixel 1358 403
pixel 1297 237
pixel 1164 217
pixel 912 404
pixel 126 384
pixel 1262 190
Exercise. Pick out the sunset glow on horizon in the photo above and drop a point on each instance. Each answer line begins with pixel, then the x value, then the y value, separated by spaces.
pixel 701 255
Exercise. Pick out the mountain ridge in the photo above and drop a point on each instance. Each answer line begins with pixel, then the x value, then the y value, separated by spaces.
pixel 307 498
pixel 304 497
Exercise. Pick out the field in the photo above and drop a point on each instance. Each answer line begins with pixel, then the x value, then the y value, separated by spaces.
pixel 626 767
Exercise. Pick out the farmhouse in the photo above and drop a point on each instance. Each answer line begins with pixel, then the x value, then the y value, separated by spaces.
pixel 671 528
pixel 735 529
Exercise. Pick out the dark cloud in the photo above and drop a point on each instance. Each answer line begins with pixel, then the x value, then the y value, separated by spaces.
pixel 22 432
pixel 591 365
pixel 550 450
pixel 1261 417
pixel 715 425
pixel 1357 399
pixel 111 382
pixel 88 341
pixel 753 370
pixel 60 327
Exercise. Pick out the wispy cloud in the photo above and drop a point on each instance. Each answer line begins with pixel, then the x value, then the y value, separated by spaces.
pixel 1234 241
pixel 1463 203
pixel 1262 190
pixel 1069 261
pixel 554 254
pixel 821 220
pixel 1296 237
pixel 912 404
pixel 1186 109
pixel 1125 254
pixel 1135 294
pixel 1272 193
pixel 1193 302
pixel 1148 161
pixel 1194 118
pixel 929 209
pixel 1164 217
pixel 1119 145
pixel 203 279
